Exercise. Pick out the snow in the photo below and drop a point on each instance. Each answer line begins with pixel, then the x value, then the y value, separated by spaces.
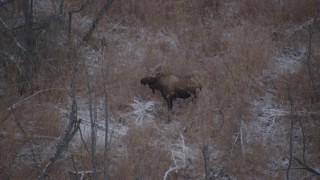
pixel 181 155
pixel 267 124
pixel 289 60
pixel 143 111
pixel 116 130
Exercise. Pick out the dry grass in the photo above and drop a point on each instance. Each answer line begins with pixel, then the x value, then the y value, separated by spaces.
pixel 146 157
pixel 277 12
pixel 185 37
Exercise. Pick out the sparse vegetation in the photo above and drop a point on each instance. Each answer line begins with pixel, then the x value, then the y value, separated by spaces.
pixel 257 115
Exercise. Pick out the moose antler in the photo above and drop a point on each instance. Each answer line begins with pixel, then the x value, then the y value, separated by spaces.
pixel 155 70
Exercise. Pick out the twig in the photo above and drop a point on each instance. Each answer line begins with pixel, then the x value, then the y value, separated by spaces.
pixel 84 143
pixel 82 173
pixel 291 133
pixel 95 22
pixel 239 113
pixel 205 152
pixel 181 157
pixel 74 166
pixel 303 139
pixel 310 29
pixel 284 169
pixel 70 13
pixel 36 163
pixel 205 161
pixel 169 171
pixel 15 105
pixel 310 169
pixel 72 129
pixel 13 35
pixel 93 125
pixel 106 112
pixel 308 62
pixel 233 144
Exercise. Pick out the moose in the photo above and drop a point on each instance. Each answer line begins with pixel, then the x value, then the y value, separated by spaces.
pixel 172 86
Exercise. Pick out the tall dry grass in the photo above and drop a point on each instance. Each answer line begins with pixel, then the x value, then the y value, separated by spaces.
pixel 228 57
pixel 146 157
pixel 277 12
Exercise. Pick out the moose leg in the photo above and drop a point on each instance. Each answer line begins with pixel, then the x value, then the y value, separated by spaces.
pixel 170 103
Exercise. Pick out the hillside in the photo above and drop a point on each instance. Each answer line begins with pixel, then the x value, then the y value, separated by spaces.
pixel 70 72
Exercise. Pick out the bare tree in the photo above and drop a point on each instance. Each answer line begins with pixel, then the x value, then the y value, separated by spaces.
pixel 104 73
pixel 19 125
pixel 72 129
pixel 291 132
pixel 70 13
pixel 311 74
pixel 95 22
pixel 93 125
pixel 29 39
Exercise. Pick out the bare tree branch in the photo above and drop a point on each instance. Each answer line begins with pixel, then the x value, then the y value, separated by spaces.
pixel 95 22
pixel 93 125
pixel 181 156
pixel 72 129
pixel 310 169
pixel 309 64
pixel 70 13
pixel 75 167
pixel 13 35
pixel 303 140
pixel 36 163
pixel 239 112
pixel 84 143
pixel 205 159
pixel 29 38
pixel 61 8
pixel 82 174
pixel 15 105
pixel 291 132
pixel 104 75
pixel 310 29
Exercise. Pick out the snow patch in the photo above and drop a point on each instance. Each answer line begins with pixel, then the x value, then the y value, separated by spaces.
pixel 269 119
pixel 290 60
pixel 143 112
pixel 167 37
pixel 116 130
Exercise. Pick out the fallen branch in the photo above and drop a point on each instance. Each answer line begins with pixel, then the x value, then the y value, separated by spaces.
pixel 169 171
pixel 34 159
pixel 15 105
pixel 72 129
pixel 82 173
pixel 307 167
pixel 181 156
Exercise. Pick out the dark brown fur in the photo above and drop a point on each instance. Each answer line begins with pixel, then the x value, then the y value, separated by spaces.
pixel 172 86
